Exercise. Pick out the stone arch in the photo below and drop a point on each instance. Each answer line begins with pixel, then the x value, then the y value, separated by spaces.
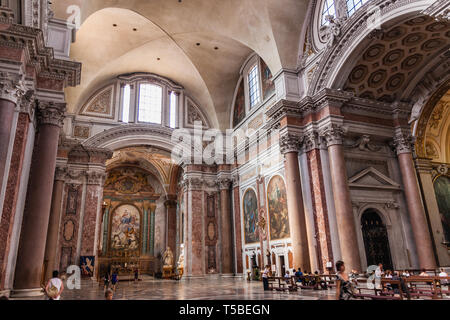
pixel 133 135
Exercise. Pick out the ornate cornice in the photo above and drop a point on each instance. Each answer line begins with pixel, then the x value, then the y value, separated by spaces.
pixel 333 134
pixel 51 113
pixel 440 10
pixel 38 55
pixel 12 87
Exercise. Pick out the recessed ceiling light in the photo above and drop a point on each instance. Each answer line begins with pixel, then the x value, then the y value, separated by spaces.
pixel 134 29
pixel 198 43
pixel 216 48
pixel 158 59
pixel 114 25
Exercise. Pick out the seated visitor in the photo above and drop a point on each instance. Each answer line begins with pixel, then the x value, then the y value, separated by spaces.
pixel 299 276
pixel 319 282
pixel 287 277
pixel 109 294
pixel 406 273
pixel 423 273
pixel 442 273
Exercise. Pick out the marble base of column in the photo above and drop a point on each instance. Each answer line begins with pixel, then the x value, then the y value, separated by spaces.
pixel 416 212
pixel 171 206
pixel 297 220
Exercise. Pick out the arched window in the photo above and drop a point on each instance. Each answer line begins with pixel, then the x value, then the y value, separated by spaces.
pixel 353 5
pixel 328 9
pixel 150 103
pixel 254 86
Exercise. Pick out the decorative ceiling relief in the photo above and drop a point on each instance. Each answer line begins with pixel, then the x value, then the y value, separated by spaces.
pixel 101 104
pixel 385 67
pixel 193 114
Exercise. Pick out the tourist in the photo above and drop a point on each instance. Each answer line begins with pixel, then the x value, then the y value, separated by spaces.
pixel 109 294
pixel 443 274
pixel 423 273
pixel 287 277
pixel 136 275
pixel 106 280
pixel 54 287
pixel 406 273
pixel 344 287
pixel 299 276
pixel 265 277
pixel 114 280
pixel 318 281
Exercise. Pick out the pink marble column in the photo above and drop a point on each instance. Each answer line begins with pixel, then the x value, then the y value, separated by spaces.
pixel 12 192
pixel 403 145
pixel 30 258
pixel 320 210
pixel 342 199
pixel 53 226
pixel 171 206
pixel 226 229
pixel 297 222
pixel 92 213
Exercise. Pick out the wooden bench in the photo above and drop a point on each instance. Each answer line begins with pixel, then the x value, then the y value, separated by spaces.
pixel 281 284
pixel 426 287
pixel 384 292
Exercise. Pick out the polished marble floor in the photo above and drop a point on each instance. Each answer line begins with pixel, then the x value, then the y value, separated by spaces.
pixel 211 289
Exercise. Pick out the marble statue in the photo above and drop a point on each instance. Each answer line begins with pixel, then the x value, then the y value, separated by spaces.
pixel 168 258
pixel 180 263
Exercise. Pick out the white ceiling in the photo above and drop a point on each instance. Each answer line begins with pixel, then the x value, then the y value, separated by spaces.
pixel 170 30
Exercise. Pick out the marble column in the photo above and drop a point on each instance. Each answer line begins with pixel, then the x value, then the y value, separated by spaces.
pixel 237 226
pixel 11 91
pixel 226 229
pixel 13 186
pixel 171 206
pixel 342 199
pixel 289 146
pixel 30 256
pixel 53 227
pixel 403 144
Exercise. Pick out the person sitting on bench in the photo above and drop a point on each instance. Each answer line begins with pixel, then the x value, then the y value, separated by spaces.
pixel 318 282
pixel 287 277
pixel 299 276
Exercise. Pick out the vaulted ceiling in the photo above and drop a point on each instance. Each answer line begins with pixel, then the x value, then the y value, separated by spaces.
pixel 162 37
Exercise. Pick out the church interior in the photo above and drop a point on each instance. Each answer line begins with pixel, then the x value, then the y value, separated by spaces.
pixel 336 118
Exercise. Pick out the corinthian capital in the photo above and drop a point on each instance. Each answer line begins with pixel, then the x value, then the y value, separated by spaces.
pixel 333 135
pixel 61 173
pixel 12 87
pixel 224 183
pixel 51 113
pixel 403 142
pixel 96 178
pixel 290 143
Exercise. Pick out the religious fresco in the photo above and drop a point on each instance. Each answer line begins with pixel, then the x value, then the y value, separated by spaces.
pixel 250 206
pixel 278 211
pixel 268 86
pixel 125 228
pixel 239 105
pixel 442 190
pixel 128 180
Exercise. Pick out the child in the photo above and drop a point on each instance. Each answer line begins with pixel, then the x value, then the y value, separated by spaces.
pixel 109 294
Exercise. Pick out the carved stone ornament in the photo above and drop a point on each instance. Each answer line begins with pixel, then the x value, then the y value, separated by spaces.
pixel 403 142
pixel 311 141
pixel 51 113
pixel 61 173
pixel 330 33
pixel 12 87
pixel 364 144
pixel 28 103
pixel 333 135
pixel 290 143
pixel 224 183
